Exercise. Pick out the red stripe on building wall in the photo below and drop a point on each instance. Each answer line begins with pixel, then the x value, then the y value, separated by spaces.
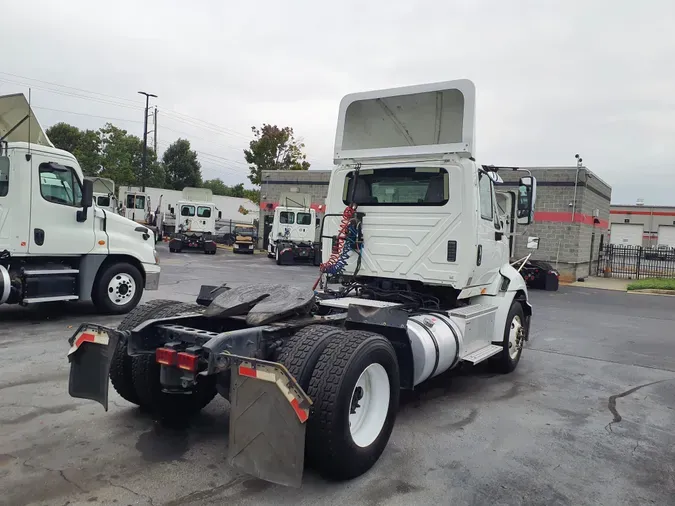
pixel 565 217
pixel 643 213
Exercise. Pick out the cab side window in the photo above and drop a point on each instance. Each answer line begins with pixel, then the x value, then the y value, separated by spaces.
pixel 485 195
pixel 60 185
pixel 4 176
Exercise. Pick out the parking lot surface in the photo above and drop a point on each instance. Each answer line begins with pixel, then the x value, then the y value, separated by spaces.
pixel 587 418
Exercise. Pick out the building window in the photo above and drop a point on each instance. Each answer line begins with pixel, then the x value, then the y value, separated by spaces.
pixel 627 220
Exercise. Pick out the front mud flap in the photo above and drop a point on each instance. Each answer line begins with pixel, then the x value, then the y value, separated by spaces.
pixel 268 411
pixel 90 356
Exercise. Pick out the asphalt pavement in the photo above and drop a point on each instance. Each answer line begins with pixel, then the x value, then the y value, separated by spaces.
pixel 587 418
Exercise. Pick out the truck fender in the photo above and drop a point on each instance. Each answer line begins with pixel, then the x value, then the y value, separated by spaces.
pixel 91 265
pixel 512 287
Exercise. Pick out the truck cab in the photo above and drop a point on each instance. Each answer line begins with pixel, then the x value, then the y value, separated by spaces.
pixel 195 226
pixel 293 234
pixel 55 244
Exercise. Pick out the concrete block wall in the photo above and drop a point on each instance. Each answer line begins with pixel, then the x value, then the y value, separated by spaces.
pixel 564 242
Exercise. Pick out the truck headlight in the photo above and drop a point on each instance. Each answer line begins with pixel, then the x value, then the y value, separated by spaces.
pixel 154 251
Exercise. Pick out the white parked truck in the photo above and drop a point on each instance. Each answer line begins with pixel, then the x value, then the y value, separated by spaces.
pixel 415 281
pixel 104 193
pixel 195 224
pixel 294 230
pixel 55 243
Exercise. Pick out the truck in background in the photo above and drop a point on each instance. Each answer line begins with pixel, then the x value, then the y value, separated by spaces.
pixel 294 231
pixel 104 193
pixel 55 243
pixel 245 238
pixel 194 224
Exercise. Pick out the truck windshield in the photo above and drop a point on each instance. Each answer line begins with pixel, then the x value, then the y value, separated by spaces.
pixel 248 232
pixel 304 219
pixel 103 201
pixel 204 212
pixel 405 186
pixel 187 211
pixel 140 202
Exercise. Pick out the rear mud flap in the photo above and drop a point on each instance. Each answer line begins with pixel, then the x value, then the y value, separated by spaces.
pixel 268 411
pixel 90 356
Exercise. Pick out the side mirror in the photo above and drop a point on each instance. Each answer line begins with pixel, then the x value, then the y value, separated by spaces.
pixel 172 210
pixel 318 222
pixel 527 195
pixel 220 215
pixel 87 199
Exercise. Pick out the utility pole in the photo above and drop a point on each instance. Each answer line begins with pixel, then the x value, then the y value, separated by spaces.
pixel 154 132
pixel 145 136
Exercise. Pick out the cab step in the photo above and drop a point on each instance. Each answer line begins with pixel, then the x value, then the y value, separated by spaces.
pixel 483 354
pixel 37 300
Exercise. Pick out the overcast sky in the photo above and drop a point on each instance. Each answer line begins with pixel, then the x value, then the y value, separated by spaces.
pixel 553 78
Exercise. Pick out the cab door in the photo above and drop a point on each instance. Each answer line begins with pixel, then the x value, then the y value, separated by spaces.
pixel 56 198
pixel 490 248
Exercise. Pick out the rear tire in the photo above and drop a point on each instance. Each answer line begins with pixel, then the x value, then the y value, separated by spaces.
pixel 121 365
pixel 302 351
pixel 355 389
pixel 118 289
pixel 512 343
pixel 146 371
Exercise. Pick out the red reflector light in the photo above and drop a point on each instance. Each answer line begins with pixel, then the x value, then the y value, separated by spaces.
pixel 165 356
pixel 187 361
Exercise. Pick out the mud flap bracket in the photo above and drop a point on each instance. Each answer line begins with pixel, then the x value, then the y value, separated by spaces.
pixel 268 411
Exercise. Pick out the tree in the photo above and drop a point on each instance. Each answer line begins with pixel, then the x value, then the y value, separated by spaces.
pixel 181 166
pixel 274 148
pixel 216 186
pixel 65 136
pixel 120 155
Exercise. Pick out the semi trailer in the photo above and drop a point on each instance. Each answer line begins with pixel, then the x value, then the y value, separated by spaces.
pixel 415 281
pixel 56 244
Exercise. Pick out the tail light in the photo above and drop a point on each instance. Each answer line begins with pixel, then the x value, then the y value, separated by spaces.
pixel 187 361
pixel 166 356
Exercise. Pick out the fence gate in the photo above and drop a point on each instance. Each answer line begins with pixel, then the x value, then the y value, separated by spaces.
pixel 636 262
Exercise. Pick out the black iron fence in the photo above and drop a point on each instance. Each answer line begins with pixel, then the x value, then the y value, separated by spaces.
pixel 636 262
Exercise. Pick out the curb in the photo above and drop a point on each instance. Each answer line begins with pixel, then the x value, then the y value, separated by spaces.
pixel 653 291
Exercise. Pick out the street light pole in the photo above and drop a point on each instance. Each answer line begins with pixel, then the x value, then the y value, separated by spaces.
pixel 145 136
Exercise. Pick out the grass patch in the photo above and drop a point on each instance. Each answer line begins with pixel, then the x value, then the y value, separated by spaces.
pixel 653 284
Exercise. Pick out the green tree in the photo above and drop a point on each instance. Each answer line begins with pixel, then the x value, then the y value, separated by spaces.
pixel 65 136
pixel 216 186
pixel 252 195
pixel 274 148
pixel 181 166
pixel 120 155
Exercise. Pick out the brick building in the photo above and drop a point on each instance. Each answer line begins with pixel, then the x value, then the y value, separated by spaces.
pixel 641 225
pixel 570 234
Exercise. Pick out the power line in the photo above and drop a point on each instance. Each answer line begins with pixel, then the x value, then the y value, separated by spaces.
pixel 70 94
pixel 213 126
pixel 70 87
pixel 87 114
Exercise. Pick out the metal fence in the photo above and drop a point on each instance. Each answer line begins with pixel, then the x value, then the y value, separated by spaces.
pixel 636 262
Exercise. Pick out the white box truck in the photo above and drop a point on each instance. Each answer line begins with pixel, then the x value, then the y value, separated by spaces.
pixel 55 243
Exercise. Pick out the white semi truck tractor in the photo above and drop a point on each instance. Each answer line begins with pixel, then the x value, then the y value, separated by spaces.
pixel 56 244
pixel 415 281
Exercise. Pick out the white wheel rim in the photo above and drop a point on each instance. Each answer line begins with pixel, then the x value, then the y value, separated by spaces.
pixel 515 337
pixel 121 289
pixel 369 405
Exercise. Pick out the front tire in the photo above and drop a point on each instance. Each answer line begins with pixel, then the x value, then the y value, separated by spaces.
pixel 355 389
pixel 118 289
pixel 512 342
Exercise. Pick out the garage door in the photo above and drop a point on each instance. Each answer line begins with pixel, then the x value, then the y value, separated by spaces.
pixel 628 234
pixel 667 235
